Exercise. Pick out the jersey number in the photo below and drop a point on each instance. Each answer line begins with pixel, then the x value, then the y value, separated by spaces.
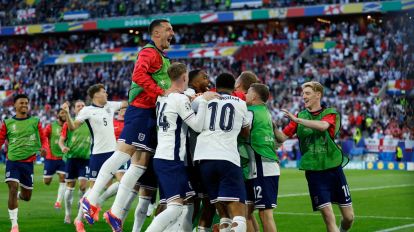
pixel 346 190
pixel 257 192
pixel 105 122
pixel 226 116
pixel 162 119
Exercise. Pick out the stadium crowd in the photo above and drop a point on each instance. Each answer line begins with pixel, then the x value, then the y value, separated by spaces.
pixel 52 12
pixel 357 91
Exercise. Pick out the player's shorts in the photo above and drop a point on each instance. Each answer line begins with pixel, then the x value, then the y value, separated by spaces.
pixel 96 162
pixel 173 179
pixel 140 128
pixel 194 176
pixel 149 180
pixel 20 172
pixel 223 181
pixel 262 191
pixel 328 186
pixel 53 166
pixel 76 168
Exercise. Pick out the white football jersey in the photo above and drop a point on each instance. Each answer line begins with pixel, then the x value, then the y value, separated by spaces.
pixel 100 121
pixel 174 113
pixel 225 118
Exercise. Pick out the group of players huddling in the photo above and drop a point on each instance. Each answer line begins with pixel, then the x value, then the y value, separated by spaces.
pixel 191 143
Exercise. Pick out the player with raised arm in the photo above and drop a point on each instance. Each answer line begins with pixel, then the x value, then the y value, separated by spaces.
pixel 25 138
pixel 322 159
pixel 264 171
pixel 99 118
pixel 138 139
pixel 216 151
pixel 76 146
pixel 53 160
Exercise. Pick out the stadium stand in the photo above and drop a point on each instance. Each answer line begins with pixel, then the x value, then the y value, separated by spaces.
pixel 363 61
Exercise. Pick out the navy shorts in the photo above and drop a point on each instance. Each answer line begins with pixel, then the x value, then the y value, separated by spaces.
pixel 194 176
pixel 76 168
pixel 223 181
pixel 173 179
pixel 328 186
pixel 53 166
pixel 149 180
pixel 140 128
pixel 20 172
pixel 96 162
pixel 262 191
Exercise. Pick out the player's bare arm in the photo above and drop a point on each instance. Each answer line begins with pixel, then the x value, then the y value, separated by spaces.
pixel 62 146
pixel 72 125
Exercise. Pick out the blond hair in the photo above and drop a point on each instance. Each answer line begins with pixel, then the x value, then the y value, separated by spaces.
pixel 176 70
pixel 315 86
pixel 247 78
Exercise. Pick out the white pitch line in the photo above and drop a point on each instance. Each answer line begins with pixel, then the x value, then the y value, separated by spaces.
pixel 356 216
pixel 352 190
pixel 396 228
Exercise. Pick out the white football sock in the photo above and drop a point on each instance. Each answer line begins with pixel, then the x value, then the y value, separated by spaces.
pixel 13 216
pixel 141 213
pixel 241 224
pixel 227 223
pixel 131 197
pixel 106 173
pixel 187 217
pixel 128 182
pixel 184 221
pixel 167 217
pixel 61 192
pixel 68 201
pixel 109 192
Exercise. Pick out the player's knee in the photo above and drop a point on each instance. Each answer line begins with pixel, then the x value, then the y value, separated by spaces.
pixel 348 219
pixel 25 196
pixel 13 189
pixel 126 148
pixel 47 181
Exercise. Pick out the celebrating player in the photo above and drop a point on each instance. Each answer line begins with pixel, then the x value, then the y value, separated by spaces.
pixel 216 150
pixel 25 137
pixel 76 146
pixel 322 159
pixel 150 79
pixel 53 160
pixel 100 119
pixel 264 170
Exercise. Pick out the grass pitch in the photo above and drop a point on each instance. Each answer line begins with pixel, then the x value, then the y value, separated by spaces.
pixel 381 200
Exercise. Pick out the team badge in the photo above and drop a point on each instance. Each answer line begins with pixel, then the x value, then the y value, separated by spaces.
pixel 141 137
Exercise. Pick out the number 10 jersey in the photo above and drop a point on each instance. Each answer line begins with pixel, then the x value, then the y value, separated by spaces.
pixel 225 117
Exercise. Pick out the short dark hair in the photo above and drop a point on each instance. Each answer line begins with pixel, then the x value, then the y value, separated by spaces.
pixel 247 78
pixel 261 90
pixel 156 23
pixel 225 81
pixel 176 70
pixel 94 89
pixel 18 96
pixel 192 75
